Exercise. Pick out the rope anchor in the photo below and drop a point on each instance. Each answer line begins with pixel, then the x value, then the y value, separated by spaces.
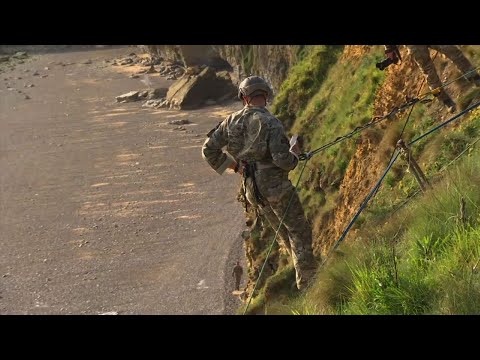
pixel 413 165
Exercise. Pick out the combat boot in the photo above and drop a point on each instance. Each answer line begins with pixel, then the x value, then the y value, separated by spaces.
pixel 447 101
pixel 476 80
pixel 450 104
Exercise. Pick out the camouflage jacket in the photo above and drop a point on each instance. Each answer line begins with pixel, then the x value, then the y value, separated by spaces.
pixel 251 134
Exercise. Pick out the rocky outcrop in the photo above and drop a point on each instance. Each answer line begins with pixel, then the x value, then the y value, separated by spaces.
pixel 151 94
pixel 192 91
pixel 128 97
pixel 270 61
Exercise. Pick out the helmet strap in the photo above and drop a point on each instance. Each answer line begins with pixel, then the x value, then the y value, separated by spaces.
pixel 247 102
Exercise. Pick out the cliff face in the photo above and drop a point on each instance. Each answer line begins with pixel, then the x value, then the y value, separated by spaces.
pixel 270 61
pixel 327 92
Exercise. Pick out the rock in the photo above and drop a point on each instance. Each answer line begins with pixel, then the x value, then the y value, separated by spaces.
pixel 20 55
pixel 27 97
pixel 193 70
pixel 128 97
pixel 152 103
pixel 157 93
pixel 44 76
pixel 151 70
pixel 179 122
pixel 4 58
pixel 132 54
pixel 156 60
pixel 192 91
pixel 143 93
pixel 134 76
pixel 225 75
pixel 36 73
pixel 180 128
pixel 126 61
pixel 87 62
pixel 19 78
pixel 46 68
pixel 30 85
pixel 21 61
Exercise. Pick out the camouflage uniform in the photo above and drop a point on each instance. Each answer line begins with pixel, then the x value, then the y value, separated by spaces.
pixel 421 55
pixel 255 136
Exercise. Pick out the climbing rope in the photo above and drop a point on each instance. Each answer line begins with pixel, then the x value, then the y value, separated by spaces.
pixel 445 123
pixel 411 109
pixel 418 191
pixel 358 129
pixel 365 201
pixel 397 153
pixel 307 156
pixel 275 237
pixel 378 119
pixel 408 119
pixel 437 90
pixel 459 155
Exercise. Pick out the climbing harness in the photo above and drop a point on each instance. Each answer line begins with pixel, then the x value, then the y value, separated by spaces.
pixel 248 172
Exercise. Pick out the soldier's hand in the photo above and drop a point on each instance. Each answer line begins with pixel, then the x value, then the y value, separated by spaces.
pixel 296 149
pixel 237 168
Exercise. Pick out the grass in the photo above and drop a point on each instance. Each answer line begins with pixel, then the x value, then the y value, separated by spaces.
pixel 247 57
pixel 424 260
pixel 433 154
pixel 421 259
pixel 277 288
pixel 343 101
pixel 303 81
pixel 430 267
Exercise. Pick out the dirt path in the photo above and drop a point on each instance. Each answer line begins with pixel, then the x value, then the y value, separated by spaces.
pixel 103 206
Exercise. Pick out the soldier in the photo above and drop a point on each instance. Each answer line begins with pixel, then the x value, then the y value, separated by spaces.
pixel 237 273
pixel 421 55
pixel 259 150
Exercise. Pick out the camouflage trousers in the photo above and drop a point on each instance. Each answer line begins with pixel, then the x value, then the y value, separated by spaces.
pixel 295 234
pixel 421 55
